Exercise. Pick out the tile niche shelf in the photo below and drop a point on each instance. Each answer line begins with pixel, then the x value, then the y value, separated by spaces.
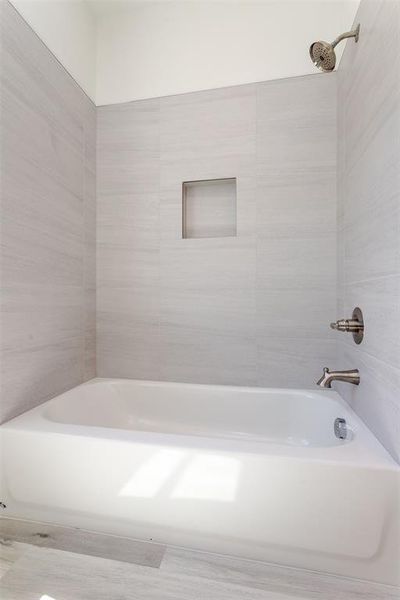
pixel 209 208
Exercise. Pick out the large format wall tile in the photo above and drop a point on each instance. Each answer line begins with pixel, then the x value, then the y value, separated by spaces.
pixel 128 161
pixel 47 223
pixel 369 216
pixel 293 362
pixel 296 229
pixel 219 310
pixel 128 290
pixel 376 399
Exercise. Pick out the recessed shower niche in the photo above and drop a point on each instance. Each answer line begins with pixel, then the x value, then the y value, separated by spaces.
pixel 209 208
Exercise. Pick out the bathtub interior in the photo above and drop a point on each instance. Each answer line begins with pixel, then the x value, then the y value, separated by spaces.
pixel 293 417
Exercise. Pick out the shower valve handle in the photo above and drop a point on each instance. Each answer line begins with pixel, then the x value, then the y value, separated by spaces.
pixel 355 325
pixel 347 325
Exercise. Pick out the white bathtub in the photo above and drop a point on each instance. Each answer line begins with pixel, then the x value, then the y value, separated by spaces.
pixel 251 472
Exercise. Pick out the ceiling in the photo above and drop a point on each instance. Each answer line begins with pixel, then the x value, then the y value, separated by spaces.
pixel 102 8
pixel 106 8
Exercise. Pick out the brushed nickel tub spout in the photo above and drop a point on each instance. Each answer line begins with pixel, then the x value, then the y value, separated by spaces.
pixel 352 376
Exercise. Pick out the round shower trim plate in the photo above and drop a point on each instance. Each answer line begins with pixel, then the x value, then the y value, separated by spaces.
pixel 358 316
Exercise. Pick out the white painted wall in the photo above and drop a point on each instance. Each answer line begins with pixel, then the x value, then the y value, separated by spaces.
pixel 122 50
pixel 68 28
pixel 149 49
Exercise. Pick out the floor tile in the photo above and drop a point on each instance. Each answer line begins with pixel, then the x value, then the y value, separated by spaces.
pixel 47 574
pixel 296 583
pixel 10 552
pixel 82 542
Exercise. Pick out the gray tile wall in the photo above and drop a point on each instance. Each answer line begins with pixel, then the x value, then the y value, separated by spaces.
pixel 252 309
pixel 369 215
pixel 48 208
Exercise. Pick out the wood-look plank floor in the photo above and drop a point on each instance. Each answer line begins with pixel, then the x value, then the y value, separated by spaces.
pixel 83 542
pixel 34 572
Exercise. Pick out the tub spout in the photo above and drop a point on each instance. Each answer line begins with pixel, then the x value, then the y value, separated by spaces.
pixel 352 376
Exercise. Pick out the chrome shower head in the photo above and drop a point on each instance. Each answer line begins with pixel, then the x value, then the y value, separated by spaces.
pixel 323 54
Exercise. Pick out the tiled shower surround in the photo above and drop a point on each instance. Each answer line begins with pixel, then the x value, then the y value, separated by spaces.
pixel 369 216
pixel 48 223
pixel 252 309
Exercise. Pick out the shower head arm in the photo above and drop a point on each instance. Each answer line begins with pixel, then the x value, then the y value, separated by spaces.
pixel 349 34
